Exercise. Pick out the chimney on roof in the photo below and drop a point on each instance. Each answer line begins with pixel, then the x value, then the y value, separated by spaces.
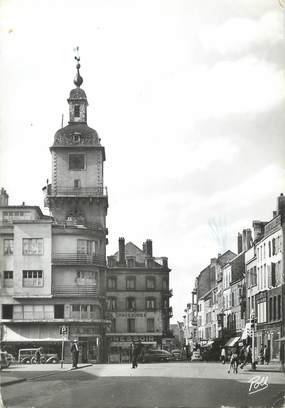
pixel 239 243
pixel 246 239
pixel 148 247
pixel 258 229
pixel 281 205
pixel 122 251
pixel 4 198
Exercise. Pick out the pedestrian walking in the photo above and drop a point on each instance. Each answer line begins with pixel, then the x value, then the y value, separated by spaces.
pixel 261 354
pixel 223 355
pixel 248 357
pixel 136 350
pixel 75 353
pixel 233 362
pixel 266 354
pixel 38 356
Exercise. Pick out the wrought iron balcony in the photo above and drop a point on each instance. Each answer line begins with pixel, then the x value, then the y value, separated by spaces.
pixel 72 290
pixel 77 192
pixel 77 259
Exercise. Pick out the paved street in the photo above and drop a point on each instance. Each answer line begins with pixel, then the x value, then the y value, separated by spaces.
pixel 150 385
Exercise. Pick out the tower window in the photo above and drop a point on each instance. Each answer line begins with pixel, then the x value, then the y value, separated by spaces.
pixel 77 183
pixel 76 111
pixel 76 161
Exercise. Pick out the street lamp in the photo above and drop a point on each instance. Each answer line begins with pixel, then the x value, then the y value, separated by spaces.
pixel 252 326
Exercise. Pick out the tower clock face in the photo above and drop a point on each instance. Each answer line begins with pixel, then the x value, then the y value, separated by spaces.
pixel 76 161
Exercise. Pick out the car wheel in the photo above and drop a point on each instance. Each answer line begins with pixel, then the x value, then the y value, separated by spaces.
pixel 53 361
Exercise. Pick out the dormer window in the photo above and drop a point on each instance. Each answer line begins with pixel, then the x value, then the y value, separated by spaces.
pixel 76 111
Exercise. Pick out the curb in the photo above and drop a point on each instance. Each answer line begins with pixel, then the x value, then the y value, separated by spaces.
pixel 19 380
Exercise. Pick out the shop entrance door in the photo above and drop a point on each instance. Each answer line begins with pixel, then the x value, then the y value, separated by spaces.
pixel 89 347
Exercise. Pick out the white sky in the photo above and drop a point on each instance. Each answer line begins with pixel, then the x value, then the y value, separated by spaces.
pixel 187 97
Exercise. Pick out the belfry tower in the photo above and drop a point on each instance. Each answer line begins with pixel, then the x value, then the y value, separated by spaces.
pixel 78 203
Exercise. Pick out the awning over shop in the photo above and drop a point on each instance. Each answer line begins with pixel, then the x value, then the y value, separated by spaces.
pixel 246 332
pixel 232 342
pixel 29 334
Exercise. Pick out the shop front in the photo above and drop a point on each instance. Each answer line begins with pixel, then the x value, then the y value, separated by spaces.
pixel 91 349
pixel 119 346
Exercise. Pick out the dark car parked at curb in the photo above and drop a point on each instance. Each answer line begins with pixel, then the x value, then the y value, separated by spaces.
pixel 152 355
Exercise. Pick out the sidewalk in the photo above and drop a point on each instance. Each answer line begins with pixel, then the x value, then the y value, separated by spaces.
pixel 25 372
pixel 274 367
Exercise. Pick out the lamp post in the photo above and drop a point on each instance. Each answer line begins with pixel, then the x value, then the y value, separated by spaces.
pixel 252 324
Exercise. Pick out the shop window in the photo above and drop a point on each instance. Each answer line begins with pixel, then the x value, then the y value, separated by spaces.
pixel 7 311
pixel 59 311
pixel 150 283
pixel 33 246
pixel 131 283
pixel 32 278
pixel 76 161
pixel 131 326
pixel 8 246
pixel 150 325
pixel 131 304
pixel 150 304
pixel 112 283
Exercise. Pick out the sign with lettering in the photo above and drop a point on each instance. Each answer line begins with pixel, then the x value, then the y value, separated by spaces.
pixel 133 338
pixel 130 314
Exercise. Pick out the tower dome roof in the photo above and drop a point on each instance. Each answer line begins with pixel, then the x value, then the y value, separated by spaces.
pixel 76 134
pixel 77 93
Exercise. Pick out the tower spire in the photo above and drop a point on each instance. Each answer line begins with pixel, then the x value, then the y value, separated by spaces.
pixel 78 80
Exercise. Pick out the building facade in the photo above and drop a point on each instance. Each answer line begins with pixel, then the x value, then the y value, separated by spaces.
pixel 137 299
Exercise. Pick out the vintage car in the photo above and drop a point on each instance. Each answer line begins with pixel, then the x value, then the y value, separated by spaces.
pixel 196 355
pixel 154 355
pixel 28 356
pixel 177 354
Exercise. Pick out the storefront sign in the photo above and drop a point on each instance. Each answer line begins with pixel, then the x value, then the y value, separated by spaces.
pixel 130 314
pixel 272 225
pixel 132 338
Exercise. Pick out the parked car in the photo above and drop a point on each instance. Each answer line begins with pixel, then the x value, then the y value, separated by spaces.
pixel 25 355
pixel 177 354
pixel 152 355
pixel 28 356
pixel 47 358
pixel 196 356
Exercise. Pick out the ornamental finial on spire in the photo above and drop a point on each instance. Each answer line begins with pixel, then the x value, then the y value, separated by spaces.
pixel 78 80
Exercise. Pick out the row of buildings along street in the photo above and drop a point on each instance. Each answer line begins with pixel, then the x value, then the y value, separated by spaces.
pixel 55 281
pixel 240 296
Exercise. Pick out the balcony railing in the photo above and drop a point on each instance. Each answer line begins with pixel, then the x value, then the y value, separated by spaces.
pixel 78 192
pixel 77 223
pixel 77 259
pixel 71 290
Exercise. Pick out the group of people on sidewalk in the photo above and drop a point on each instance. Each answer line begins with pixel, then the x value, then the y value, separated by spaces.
pixel 241 356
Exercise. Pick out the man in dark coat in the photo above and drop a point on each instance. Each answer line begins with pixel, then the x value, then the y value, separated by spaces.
pixel 75 353
pixel 136 350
